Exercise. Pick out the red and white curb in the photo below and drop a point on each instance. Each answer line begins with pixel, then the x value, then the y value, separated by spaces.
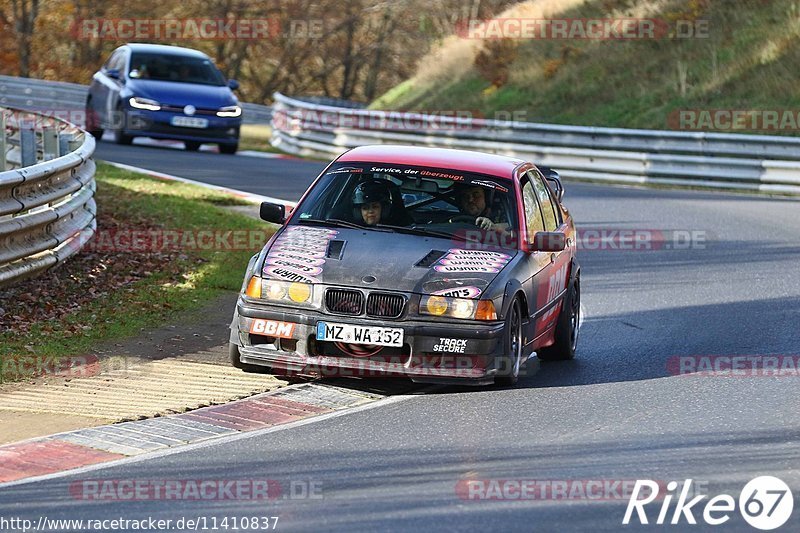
pixel 66 452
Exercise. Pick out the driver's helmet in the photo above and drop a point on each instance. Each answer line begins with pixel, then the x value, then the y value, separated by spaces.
pixel 371 191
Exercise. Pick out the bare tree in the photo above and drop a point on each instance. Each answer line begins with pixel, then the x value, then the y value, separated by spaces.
pixel 24 13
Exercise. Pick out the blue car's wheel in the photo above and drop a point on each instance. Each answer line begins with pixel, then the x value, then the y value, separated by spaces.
pixel 119 133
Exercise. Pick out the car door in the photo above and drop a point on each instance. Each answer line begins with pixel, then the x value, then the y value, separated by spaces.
pixel 113 86
pixel 98 90
pixel 537 264
pixel 552 285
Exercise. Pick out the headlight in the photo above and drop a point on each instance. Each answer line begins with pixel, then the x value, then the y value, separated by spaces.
pixel 230 111
pixel 144 103
pixel 275 290
pixel 457 308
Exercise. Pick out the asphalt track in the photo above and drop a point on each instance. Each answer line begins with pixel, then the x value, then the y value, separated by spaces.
pixel 614 413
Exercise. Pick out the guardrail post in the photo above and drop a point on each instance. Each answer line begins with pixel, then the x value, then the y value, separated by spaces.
pixel 63 143
pixel 74 142
pixel 27 145
pixel 3 141
pixel 49 144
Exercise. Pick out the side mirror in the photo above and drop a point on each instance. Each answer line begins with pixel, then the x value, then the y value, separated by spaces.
pixel 554 179
pixel 233 84
pixel 275 213
pixel 113 73
pixel 549 241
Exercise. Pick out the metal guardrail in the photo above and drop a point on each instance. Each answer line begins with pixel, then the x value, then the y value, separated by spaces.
pixel 726 161
pixel 47 186
pixel 60 98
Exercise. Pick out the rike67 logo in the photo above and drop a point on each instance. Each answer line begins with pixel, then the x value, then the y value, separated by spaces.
pixel 765 503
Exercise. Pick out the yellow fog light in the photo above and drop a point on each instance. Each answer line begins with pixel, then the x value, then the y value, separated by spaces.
pixel 254 287
pixel 436 305
pixel 275 290
pixel 462 308
pixel 299 292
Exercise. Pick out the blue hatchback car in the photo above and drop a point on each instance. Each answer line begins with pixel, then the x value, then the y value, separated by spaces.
pixel 164 92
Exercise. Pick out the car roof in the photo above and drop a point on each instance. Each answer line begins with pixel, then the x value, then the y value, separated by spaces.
pixel 165 49
pixel 444 158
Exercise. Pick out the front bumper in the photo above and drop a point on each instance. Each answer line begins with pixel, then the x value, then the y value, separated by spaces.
pixel 157 124
pixel 432 352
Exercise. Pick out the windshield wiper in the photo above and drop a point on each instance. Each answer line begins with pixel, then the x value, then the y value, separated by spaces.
pixel 337 223
pixel 422 231
pixel 330 222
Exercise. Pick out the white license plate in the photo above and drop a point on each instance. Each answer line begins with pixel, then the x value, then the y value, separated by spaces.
pixel 328 331
pixel 189 122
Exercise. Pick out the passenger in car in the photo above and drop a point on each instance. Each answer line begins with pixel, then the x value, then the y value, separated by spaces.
pixel 472 202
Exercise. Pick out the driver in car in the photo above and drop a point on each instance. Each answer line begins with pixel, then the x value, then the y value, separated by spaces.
pixel 370 201
pixel 472 202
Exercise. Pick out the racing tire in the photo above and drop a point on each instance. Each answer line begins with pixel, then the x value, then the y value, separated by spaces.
pixel 229 149
pixel 233 353
pixel 119 133
pixel 512 360
pixel 92 122
pixel 567 328
pixel 191 146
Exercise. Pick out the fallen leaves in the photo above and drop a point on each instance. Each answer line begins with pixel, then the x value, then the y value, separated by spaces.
pixel 50 299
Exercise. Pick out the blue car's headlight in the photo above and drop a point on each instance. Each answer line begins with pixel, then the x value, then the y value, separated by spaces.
pixel 144 103
pixel 230 111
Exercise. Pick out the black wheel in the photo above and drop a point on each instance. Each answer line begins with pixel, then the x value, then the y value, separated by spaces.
pixel 229 149
pixel 191 146
pixel 566 328
pixel 512 347
pixel 119 133
pixel 93 121
pixel 233 353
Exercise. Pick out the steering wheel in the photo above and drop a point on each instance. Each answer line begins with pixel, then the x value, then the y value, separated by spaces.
pixel 469 219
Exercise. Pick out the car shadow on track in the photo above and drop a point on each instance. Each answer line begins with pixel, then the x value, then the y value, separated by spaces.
pixel 640 346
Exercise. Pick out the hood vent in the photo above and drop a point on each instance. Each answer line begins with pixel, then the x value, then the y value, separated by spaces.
pixel 430 259
pixel 335 249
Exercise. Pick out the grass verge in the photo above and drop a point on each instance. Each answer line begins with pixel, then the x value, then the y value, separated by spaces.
pixel 115 286
pixel 744 60
pixel 256 137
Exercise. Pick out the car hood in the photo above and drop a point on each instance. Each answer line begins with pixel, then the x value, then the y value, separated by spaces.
pixel 382 260
pixel 181 94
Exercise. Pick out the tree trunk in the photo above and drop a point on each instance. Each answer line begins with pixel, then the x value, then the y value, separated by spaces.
pixel 25 13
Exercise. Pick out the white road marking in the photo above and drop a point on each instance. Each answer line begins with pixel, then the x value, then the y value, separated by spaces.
pixel 254 198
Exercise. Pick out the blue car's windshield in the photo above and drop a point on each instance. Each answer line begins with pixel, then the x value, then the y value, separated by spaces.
pixel 177 68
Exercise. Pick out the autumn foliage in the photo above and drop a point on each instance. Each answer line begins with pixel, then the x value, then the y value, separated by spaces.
pixel 351 49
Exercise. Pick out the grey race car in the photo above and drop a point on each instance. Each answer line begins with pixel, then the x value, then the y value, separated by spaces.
pixel 439 265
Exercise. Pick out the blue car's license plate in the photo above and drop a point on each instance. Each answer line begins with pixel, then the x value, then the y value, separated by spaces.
pixel 189 122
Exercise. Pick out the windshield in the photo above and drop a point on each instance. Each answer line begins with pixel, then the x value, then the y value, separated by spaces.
pixel 439 202
pixel 177 68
